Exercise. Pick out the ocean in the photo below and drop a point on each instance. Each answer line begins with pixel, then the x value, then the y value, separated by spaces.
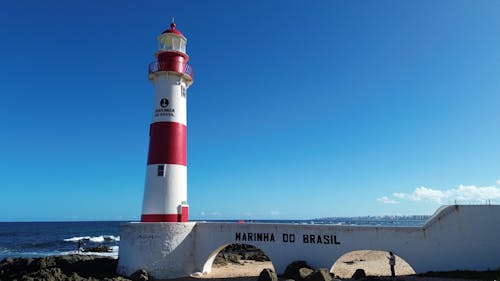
pixel 39 239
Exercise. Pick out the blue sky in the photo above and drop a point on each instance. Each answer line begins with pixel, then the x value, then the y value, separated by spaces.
pixel 299 109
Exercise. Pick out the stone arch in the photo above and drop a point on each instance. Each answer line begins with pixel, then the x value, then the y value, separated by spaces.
pixel 207 266
pixel 373 262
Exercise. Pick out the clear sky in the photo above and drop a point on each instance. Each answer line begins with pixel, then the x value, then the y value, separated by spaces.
pixel 299 109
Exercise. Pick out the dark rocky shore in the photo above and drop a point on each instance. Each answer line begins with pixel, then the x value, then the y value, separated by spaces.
pixel 88 267
pixel 58 268
pixel 91 268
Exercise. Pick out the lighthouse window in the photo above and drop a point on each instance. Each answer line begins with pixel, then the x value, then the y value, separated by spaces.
pixel 161 170
pixel 176 43
pixel 167 43
pixel 183 46
pixel 170 42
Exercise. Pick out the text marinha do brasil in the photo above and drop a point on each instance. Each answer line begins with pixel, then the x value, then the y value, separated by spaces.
pixel 326 239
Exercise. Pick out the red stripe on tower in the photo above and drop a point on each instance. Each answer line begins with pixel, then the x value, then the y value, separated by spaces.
pixel 167 143
pixel 182 217
pixel 160 218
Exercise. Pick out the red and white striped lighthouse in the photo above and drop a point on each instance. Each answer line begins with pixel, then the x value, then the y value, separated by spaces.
pixel 165 191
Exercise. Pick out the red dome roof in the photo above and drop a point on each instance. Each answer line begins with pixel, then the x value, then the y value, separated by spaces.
pixel 172 30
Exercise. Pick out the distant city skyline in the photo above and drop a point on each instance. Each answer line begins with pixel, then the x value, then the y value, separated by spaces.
pixel 298 110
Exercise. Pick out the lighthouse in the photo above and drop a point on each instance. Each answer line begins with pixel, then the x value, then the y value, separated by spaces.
pixel 165 190
pixel 168 246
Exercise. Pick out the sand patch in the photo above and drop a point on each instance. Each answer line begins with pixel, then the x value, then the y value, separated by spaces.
pixel 374 263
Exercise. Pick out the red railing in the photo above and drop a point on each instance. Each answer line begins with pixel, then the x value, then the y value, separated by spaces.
pixel 169 66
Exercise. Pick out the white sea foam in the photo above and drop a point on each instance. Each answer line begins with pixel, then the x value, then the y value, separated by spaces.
pixel 112 254
pixel 95 239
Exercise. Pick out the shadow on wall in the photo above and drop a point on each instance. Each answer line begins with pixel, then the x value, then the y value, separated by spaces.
pixel 238 254
pixel 374 263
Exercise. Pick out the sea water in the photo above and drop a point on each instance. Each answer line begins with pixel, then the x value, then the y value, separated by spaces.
pixel 39 239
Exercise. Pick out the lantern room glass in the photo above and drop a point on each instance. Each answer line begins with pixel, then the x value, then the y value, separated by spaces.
pixel 172 42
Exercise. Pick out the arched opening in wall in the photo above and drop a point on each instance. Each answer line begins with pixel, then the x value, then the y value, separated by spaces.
pixel 373 262
pixel 236 260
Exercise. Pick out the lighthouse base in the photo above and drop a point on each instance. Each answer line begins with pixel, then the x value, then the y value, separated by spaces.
pixel 164 250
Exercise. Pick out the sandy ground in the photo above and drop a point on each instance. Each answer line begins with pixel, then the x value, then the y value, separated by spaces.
pixel 374 263
pixel 246 268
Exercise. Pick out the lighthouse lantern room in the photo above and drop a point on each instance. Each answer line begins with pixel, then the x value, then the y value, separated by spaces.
pixel 165 190
pixel 173 40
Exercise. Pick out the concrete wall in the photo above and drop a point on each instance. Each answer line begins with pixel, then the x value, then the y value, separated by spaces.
pixel 165 250
pixel 456 237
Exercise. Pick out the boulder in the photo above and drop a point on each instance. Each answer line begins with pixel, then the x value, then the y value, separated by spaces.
pixel 242 251
pixel 219 260
pixel 292 271
pixel 87 266
pixel 358 274
pixel 304 272
pixel 256 256
pixel 49 274
pixel 267 274
pixel 76 277
pixel 322 274
pixel 234 258
pixel 140 275
pixel 98 249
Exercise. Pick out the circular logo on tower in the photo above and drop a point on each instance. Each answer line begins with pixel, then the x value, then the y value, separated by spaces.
pixel 164 103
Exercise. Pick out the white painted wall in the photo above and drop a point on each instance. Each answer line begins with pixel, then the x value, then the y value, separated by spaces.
pixel 163 195
pixel 456 237
pixel 169 85
pixel 164 250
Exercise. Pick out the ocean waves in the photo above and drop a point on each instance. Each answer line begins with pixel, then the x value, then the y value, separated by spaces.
pixel 4 252
pixel 94 239
pixel 113 253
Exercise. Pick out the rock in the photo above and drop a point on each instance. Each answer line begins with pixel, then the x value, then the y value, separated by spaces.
pixel 140 275
pixel 358 274
pixel 259 257
pixel 16 268
pixel 242 251
pixel 373 278
pixel 52 274
pixel 98 249
pixel 322 274
pixel 87 266
pixel 219 260
pixel 267 274
pixel 304 272
pixel 234 258
pixel 76 277
pixel 119 278
pixel 7 260
pixel 71 267
pixel 292 271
